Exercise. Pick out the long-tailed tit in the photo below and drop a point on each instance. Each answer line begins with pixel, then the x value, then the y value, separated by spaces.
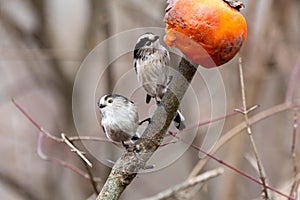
pixel 119 118
pixel 151 63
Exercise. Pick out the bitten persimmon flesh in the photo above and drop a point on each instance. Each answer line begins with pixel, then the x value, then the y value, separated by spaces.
pixel 208 32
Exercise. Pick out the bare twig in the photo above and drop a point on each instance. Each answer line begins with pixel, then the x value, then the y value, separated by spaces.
pixel 265 114
pixel 237 130
pixel 171 192
pixel 245 113
pixel 92 138
pixel 292 82
pixel 168 143
pixel 230 114
pixel 57 139
pixel 74 149
pixel 202 123
pixel 41 129
pixel 85 161
pixel 65 140
pixel 233 168
pixel 294 159
pixel 60 162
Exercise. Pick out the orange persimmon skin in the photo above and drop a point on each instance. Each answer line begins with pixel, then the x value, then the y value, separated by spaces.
pixel 208 32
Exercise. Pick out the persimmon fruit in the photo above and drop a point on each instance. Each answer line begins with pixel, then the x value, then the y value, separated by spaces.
pixel 208 32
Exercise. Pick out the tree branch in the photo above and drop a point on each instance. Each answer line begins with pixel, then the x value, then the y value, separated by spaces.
pixel 171 192
pixel 249 131
pixel 237 130
pixel 126 168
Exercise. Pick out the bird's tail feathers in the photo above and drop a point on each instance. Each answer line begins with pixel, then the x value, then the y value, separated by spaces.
pixel 135 137
pixel 179 121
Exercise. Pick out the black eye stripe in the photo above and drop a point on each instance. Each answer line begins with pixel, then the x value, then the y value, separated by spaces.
pixel 143 41
pixel 107 96
pixel 141 44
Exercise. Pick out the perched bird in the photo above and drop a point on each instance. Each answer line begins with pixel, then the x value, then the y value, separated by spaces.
pixel 119 118
pixel 151 63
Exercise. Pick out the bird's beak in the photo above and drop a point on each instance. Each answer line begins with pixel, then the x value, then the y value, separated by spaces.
pixel 156 38
pixel 101 106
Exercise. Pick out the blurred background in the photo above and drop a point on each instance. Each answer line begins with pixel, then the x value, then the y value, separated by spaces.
pixel 43 43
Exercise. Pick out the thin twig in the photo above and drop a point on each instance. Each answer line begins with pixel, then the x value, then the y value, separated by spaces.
pixel 60 140
pixel 233 168
pixel 208 121
pixel 245 113
pixel 74 149
pixel 237 130
pixel 265 114
pixel 167 143
pixel 202 123
pixel 293 151
pixel 57 139
pixel 91 176
pixel 85 161
pixel 292 82
pixel 248 110
pixel 60 162
pixel 92 138
pixel 35 123
pixel 171 192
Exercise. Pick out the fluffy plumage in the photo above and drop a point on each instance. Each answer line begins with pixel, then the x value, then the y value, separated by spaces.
pixel 151 63
pixel 119 118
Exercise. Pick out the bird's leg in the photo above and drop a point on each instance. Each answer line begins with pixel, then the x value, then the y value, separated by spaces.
pixel 126 146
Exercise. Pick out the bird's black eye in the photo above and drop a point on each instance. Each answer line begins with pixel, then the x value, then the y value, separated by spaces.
pixel 110 101
pixel 148 43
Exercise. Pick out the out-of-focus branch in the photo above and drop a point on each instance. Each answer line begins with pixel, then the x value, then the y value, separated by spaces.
pixel 101 19
pixel 237 130
pixel 260 116
pixel 234 168
pixel 292 82
pixel 171 192
pixel 126 168
pixel 20 189
pixel 84 159
pixel 61 162
pixel 57 139
pixel 205 122
pixel 44 132
pixel 295 179
pixel 249 131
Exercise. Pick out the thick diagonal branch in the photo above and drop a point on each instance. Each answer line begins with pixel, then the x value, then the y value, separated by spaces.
pixel 127 166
